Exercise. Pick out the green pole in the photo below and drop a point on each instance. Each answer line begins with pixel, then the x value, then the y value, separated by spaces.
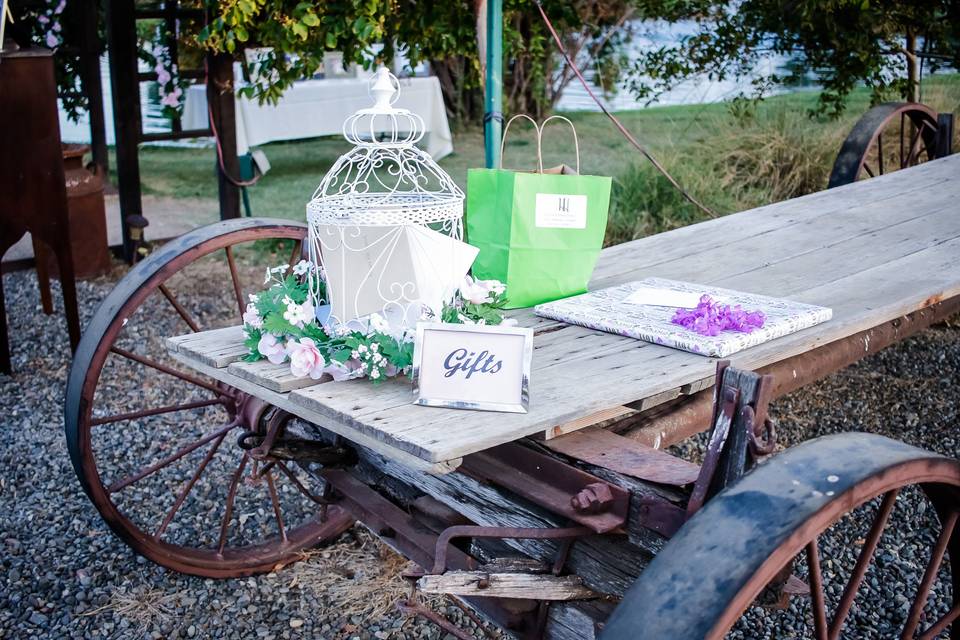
pixel 493 116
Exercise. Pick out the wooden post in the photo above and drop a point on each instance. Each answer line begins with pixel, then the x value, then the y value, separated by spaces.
pixel 93 86
pixel 220 96
pixel 122 39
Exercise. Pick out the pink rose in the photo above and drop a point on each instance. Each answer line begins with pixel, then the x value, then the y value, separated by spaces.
pixel 170 100
pixel 473 291
pixel 344 371
pixel 271 348
pixel 52 41
pixel 305 358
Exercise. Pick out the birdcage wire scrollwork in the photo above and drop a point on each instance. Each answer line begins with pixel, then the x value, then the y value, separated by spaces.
pixel 386 182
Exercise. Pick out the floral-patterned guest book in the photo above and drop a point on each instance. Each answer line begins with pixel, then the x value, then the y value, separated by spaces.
pixel 644 310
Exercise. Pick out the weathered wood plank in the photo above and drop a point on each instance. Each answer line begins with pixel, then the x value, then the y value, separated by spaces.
pixel 507 585
pixel 626 456
pixel 276 377
pixel 215 348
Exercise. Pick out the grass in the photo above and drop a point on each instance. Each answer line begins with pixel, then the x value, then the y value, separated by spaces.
pixel 730 163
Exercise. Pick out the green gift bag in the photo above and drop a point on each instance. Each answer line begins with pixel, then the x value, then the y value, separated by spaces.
pixel 539 232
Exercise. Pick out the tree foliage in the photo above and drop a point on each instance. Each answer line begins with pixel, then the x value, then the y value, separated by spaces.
pixel 843 42
pixel 294 36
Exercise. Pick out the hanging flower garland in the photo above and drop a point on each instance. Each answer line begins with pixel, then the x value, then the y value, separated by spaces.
pixel 281 324
pixel 169 85
pixel 49 21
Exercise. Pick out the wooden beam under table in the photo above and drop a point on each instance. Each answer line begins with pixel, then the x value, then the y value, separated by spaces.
pixel 668 424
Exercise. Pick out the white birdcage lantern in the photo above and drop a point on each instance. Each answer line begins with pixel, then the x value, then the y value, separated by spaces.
pixel 386 222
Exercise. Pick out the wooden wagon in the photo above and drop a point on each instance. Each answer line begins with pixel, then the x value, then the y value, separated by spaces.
pixel 569 521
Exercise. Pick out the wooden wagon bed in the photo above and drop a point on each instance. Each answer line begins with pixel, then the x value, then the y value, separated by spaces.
pixel 883 254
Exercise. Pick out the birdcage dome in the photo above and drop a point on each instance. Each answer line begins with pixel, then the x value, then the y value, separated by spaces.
pixel 385 179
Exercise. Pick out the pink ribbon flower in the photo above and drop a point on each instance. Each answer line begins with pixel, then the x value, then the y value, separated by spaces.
pixel 271 348
pixel 305 358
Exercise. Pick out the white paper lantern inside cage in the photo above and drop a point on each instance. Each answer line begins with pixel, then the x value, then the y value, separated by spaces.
pixel 386 222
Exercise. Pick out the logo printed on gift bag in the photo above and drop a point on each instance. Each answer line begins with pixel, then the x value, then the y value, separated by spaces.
pixel 560 211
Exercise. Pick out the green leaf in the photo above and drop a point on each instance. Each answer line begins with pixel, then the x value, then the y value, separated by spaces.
pixel 331 41
pixel 300 30
pixel 310 19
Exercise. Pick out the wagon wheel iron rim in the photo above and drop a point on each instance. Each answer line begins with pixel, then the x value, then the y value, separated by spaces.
pixel 888 137
pixel 722 560
pixel 174 470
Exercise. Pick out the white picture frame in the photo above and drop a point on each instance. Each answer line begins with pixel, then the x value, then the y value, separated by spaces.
pixel 468 366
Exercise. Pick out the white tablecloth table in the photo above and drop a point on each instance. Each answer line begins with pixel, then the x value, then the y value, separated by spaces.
pixel 314 108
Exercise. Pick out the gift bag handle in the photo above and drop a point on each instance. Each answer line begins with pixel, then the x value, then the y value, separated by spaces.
pixel 543 125
pixel 503 139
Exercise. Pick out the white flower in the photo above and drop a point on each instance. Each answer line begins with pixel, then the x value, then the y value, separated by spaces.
pixel 473 292
pixel 362 348
pixel 252 317
pixel 355 355
pixel 253 297
pixel 302 267
pixel 280 268
pixel 378 323
pixel 493 286
pixel 271 349
pixel 374 346
pixel 266 279
pixel 298 314
pixel 374 374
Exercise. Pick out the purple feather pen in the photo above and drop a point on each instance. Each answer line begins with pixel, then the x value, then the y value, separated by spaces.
pixel 709 318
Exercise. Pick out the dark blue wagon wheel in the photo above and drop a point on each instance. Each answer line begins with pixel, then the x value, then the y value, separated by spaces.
pixel 155 444
pixel 724 558
pixel 889 137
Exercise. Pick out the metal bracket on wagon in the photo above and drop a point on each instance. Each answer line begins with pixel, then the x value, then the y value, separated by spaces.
pixel 741 432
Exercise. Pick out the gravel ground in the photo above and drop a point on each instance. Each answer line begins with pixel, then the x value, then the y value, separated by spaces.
pixel 65 574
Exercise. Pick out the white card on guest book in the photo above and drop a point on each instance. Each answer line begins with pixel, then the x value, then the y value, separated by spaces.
pixel 659 297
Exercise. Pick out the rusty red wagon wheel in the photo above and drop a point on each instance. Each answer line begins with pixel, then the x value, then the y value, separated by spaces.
pixel 709 580
pixel 888 137
pixel 156 445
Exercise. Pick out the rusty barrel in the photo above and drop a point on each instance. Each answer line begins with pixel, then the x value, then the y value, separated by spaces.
pixel 88 222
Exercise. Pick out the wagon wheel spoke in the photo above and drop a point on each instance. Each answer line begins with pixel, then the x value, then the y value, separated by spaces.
pixel 929 576
pixel 295 255
pixel 156 411
pixel 235 277
pixel 816 590
pixel 173 457
pixel 276 506
pixel 941 624
pixel 880 151
pixel 228 509
pixel 913 149
pixel 188 487
pixel 296 481
pixel 179 308
pixel 153 364
pixel 869 171
pixel 863 561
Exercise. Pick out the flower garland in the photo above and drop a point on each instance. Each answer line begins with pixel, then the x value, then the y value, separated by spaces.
pixel 169 85
pixel 282 324
pixel 50 22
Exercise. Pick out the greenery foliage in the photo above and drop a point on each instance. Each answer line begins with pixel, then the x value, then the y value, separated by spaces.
pixel 844 42
pixel 293 36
